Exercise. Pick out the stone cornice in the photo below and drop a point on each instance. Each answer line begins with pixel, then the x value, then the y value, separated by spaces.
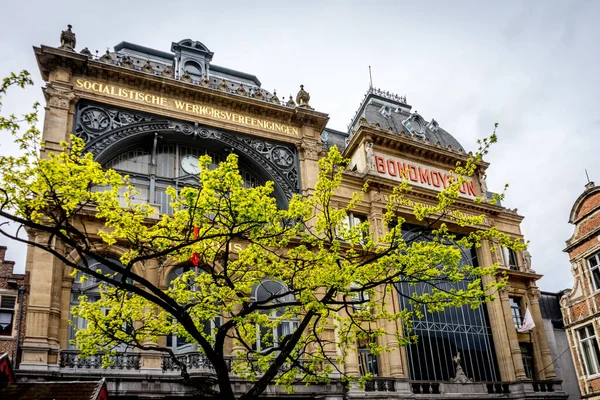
pixel 49 59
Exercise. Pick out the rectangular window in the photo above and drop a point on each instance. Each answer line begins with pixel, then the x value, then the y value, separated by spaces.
pixel 352 220
pixel 509 259
pixel 594 263
pixel 516 310
pixel 7 313
pixel 367 362
pixel 527 356
pixel 590 352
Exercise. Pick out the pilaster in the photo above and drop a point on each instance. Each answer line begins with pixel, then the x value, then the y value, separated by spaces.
pixel 533 294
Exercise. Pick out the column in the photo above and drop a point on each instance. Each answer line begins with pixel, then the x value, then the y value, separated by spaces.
pixel 515 350
pixel 41 343
pixel 533 295
pixel 497 321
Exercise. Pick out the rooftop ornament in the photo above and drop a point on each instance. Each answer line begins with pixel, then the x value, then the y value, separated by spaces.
pixel 290 102
pixel 274 98
pixel 67 39
pixel 106 58
pixel 86 52
pixel 302 98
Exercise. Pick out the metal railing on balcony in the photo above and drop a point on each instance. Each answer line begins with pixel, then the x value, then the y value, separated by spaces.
pixel 124 361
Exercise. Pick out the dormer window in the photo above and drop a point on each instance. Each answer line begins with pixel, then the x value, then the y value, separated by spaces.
pixel 194 70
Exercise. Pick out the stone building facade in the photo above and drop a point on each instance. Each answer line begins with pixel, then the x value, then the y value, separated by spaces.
pixel 581 305
pixel 137 106
pixel 13 297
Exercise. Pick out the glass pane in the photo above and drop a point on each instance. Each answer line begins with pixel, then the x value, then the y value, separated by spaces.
pixel 596 275
pixel 593 260
pixel 585 351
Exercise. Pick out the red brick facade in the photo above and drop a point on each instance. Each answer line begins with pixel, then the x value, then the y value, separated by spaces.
pixel 588 204
pixel 8 343
pixel 581 306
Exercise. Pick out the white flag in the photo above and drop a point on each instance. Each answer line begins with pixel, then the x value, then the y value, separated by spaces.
pixel 527 324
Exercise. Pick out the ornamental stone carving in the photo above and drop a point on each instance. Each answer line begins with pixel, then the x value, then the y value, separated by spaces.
pixel 369 156
pixel 102 128
pixel 311 150
pixel 58 97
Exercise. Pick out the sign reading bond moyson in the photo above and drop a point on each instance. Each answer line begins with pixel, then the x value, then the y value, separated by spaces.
pixel 190 108
pixel 418 174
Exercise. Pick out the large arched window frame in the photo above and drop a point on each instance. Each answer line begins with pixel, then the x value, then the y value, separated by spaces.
pixel 266 337
pixel 153 169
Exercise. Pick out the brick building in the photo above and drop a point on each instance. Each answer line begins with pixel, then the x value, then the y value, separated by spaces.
pixel 581 305
pixel 12 287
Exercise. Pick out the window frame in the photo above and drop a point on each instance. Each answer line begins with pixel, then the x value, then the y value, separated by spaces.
pixel 366 361
pixel 517 316
pixel 11 326
pixel 527 355
pixel 292 324
pixel 594 356
pixel 594 270
pixel 507 255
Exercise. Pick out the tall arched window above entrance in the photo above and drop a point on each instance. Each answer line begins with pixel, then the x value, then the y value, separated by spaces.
pixel 172 164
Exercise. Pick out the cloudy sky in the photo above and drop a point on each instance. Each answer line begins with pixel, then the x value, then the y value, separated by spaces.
pixel 532 66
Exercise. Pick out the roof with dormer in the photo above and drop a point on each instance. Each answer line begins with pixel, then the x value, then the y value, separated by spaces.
pixel 391 112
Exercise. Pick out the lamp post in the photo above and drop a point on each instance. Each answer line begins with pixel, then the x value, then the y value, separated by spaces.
pixel 14 285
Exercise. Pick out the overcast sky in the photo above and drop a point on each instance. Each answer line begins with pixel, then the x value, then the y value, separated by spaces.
pixel 532 66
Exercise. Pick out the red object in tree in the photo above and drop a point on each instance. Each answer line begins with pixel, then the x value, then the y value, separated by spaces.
pixel 195 258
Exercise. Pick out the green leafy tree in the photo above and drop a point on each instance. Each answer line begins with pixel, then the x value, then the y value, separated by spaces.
pixel 311 267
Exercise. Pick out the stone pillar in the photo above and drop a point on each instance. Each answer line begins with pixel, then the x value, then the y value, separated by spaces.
pixel 41 343
pixel 310 152
pixel 151 361
pixel 395 361
pixel 497 321
pixel 515 350
pixel 533 295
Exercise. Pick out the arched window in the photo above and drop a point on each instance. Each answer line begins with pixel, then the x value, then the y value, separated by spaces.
pixel 194 70
pixel 273 292
pixel 89 286
pixel 170 168
pixel 179 344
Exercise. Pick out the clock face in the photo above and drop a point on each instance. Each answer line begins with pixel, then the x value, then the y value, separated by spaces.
pixel 189 164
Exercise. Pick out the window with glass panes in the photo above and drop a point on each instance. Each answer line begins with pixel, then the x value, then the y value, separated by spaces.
pixel 269 291
pixel 527 356
pixel 509 258
pixel 516 311
pixel 590 353
pixel 594 263
pixel 7 313
pixel 152 180
pixel 180 344
pixel 368 363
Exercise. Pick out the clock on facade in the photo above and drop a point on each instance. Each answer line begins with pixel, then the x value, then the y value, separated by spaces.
pixel 189 164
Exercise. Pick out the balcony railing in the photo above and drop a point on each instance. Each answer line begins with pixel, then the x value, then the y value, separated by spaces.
pixel 124 361
pixel 194 361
